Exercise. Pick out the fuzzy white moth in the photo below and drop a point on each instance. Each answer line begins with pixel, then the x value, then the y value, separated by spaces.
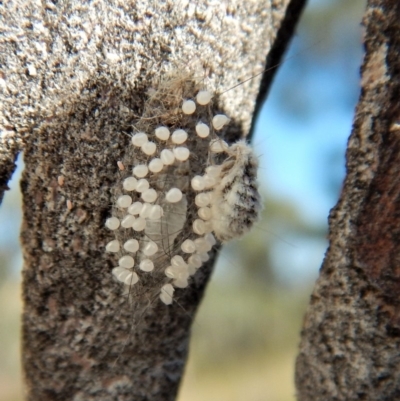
pixel 181 170
pixel 236 202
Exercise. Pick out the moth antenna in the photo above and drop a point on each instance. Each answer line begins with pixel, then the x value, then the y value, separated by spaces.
pixel 271 68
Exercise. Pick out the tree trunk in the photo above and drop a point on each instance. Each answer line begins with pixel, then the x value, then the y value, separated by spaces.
pixel 74 79
pixel 350 347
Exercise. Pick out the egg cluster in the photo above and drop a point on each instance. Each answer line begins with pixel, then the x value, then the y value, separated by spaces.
pixel 153 207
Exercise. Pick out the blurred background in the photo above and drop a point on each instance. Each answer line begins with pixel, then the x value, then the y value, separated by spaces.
pixel 246 334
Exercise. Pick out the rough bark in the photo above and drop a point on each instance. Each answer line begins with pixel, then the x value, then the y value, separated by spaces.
pixel 350 347
pixel 74 77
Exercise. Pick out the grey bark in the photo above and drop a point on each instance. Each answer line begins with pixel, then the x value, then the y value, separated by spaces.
pixel 350 347
pixel 74 76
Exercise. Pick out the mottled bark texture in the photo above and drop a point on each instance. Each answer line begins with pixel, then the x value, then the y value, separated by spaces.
pixel 350 347
pixel 74 76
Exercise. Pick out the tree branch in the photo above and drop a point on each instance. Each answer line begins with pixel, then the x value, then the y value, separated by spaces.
pixel 351 334
pixel 77 75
